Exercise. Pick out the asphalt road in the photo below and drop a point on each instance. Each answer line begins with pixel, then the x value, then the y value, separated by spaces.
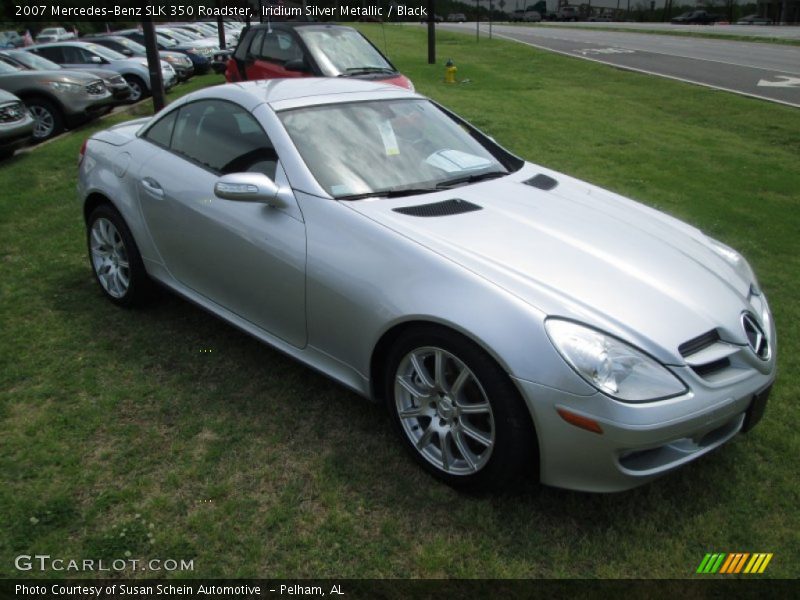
pixel 771 31
pixel 766 71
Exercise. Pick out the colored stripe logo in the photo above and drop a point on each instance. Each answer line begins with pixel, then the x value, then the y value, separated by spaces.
pixel 735 562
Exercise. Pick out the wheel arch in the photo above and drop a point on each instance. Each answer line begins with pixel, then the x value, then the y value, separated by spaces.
pixel 381 350
pixel 92 201
pixel 34 94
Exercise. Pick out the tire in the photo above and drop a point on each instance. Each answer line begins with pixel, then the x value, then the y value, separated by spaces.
pixel 115 259
pixel 138 88
pixel 48 117
pixel 467 427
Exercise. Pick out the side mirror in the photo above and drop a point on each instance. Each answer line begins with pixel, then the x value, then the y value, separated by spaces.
pixel 298 64
pixel 248 187
pixel 97 60
pixel 127 51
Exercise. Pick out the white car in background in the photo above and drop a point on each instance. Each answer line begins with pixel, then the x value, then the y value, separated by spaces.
pixel 54 34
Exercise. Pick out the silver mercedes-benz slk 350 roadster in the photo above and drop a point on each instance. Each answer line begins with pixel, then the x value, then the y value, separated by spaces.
pixel 512 318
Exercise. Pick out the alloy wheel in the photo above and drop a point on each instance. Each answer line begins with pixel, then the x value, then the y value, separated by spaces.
pixel 110 258
pixel 44 122
pixel 444 411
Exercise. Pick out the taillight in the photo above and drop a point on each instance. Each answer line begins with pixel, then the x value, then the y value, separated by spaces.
pixel 82 151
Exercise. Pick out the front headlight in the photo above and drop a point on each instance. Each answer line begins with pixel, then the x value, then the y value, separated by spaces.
pixel 737 261
pixel 612 366
pixel 63 86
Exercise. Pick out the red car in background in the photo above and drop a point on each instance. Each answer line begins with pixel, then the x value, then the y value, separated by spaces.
pixel 302 49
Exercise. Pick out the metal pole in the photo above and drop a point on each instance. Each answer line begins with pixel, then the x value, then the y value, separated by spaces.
pixel 431 32
pixel 220 27
pixel 153 64
pixel 491 8
pixel 477 21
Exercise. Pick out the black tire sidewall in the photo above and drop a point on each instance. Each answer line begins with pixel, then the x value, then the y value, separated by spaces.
pixel 140 286
pixel 514 452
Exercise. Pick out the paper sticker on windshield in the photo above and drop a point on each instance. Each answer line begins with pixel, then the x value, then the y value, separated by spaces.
pixel 389 140
pixel 454 161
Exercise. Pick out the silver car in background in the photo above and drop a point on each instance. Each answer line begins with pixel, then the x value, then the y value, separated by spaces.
pixel 56 99
pixel 513 319
pixel 87 56
pixel 16 124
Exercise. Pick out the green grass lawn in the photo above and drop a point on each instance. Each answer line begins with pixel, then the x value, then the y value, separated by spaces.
pixel 165 433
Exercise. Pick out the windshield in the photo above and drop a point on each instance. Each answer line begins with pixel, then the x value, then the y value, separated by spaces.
pixel 386 147
pixel 6 68
pixel 341 51
pixel 165 41
pixel 134 47
pixel 170 33
pixel 106 53
pixel 33 61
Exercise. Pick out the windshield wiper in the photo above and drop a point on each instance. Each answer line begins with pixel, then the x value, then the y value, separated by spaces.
pixel 448 183
pixel 361 70
pixel 388 193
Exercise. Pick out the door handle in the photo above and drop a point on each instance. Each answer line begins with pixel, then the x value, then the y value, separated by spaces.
pixel 152 187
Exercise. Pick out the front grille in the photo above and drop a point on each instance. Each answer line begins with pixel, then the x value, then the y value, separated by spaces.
pixel 439 209
pixel 12 112
pixel 96 88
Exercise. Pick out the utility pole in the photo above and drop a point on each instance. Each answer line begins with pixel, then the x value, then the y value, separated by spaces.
pixel 220 27
pixel 153 64
pixel 431 32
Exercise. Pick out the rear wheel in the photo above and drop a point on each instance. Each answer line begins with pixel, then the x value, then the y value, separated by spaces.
pixel 115 259
pixel 48 119
pixel 457 411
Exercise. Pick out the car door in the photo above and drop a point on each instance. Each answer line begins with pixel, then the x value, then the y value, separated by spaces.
pixel 245 256
pixel 270 50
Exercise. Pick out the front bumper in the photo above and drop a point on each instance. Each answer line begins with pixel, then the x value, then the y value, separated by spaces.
pixel 82 108
pixel 16 134
pixel 639 442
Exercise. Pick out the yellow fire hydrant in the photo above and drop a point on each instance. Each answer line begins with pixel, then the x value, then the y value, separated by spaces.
pixel 450 71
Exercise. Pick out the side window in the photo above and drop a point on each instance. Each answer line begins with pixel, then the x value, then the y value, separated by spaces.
pixel 223 137
pixel 244 45
pixel 52 53
pixel 161 132
pixel 255 43
pixel 280 47
pixel 73 55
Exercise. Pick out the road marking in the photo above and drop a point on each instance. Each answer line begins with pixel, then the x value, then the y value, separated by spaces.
pixel 646 72
pixel 586 51
pixel 787 82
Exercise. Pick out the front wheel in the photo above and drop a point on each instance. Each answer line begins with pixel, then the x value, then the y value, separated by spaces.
pixel 457 412
pixel 47 117
pixel 138 88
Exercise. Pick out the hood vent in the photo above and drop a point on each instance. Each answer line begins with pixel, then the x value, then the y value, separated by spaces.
pixel 699 343
pixel 541 181
pixel 455 206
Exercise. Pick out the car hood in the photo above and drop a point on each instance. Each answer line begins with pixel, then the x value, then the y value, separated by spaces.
pixel 585 253
pixel 41 77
